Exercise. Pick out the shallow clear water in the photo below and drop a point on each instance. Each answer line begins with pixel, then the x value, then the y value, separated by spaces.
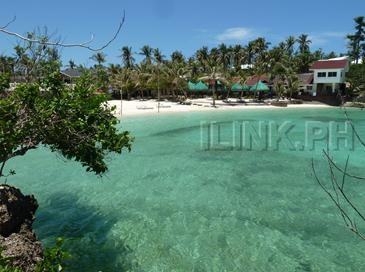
pixel 173 205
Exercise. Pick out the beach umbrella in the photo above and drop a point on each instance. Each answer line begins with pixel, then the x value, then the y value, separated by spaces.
pixel 260 87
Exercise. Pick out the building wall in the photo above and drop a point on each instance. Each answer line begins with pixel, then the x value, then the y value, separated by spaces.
pixel 340 78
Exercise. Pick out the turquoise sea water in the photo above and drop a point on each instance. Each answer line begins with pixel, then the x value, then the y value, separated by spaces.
pixel 173 205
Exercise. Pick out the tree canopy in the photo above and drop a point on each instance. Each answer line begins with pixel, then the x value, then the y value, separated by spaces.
pixel 72 121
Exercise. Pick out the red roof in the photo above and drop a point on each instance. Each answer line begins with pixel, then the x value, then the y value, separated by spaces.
pixel 254 79
pixel 329 64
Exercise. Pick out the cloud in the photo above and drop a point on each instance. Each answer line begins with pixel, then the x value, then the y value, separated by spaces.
pixel 334 34
pixel 235 34
pixel 319 39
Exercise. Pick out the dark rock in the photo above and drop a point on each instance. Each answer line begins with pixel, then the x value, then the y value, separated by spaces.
pixel 17 240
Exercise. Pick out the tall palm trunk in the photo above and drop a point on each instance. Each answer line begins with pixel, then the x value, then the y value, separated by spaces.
pixel 214 91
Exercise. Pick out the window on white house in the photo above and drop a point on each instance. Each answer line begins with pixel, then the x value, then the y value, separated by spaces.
pixel 332 74
pixel 322 74
pixel 309 88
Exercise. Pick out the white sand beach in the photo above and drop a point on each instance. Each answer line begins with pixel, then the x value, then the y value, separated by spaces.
pixel 150 107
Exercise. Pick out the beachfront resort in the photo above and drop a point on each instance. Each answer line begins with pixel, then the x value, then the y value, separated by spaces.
pixel 195 137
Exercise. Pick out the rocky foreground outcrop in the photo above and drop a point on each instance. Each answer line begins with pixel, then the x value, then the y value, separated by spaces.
pixel 17 239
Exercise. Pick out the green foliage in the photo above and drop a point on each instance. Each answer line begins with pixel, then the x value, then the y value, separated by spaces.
pixel 4 82
pixel 356 78
pixel 34 61
pixel 101 78
pixel 5 265
pixel 73 122
pixel 356 40
pixel 54 258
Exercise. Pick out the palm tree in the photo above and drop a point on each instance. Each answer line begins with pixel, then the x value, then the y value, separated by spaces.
pixel 214 56
pixel 142 75
pixel 292 84
pixel 224 56
pixel 289 45
pixel 214 75
pixel 71 64
pixel 159 58
pixel 249 50
pixel 237 56
pixel 123 80
pixel 114 69
pixel 176 75
pixel 202 56
pixel 260 46
pixel 99 57
pixel 304 43
pixel 177 56
pixel 303 62
pixel 279 88
pixel 157 55
pixel 356 39
pixel 193 69
pixel 127 57
pixel 146 51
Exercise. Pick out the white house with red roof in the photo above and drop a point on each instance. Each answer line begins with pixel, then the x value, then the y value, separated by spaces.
pixel 329 75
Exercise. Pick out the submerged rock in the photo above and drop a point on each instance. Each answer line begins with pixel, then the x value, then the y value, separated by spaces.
pixel 17 239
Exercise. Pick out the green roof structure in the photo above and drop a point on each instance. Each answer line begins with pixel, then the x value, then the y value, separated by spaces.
pixel 259 86
pixel 197 87
pixel 200 87
pixel 237 87
pixel 191 86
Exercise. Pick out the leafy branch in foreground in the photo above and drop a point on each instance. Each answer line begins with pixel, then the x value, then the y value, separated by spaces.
pixel 54 258
pixel 74 122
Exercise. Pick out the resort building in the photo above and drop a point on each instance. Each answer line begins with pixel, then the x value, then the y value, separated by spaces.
pixel 69 75
pixel 329 76
pixel 256 78
pixel 306 83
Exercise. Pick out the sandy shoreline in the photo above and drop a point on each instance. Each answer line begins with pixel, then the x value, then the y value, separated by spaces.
pixel 150 107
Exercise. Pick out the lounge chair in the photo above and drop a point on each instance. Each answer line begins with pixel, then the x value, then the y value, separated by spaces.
pixel 144 107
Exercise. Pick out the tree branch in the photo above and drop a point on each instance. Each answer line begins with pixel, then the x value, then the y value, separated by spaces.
pixel 9 23
pixel 60 44
pixel 2 168
pixel 339 194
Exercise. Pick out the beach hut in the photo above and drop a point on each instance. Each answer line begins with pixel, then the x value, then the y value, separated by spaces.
pixel 197 88
pixel 201 87
pixel 191 86
pixel 240 88
pixel 259 87
pixel 237 87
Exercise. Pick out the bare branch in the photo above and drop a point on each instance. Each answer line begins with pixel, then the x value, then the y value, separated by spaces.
pixel 362 142
pixel 337 194
pixel 60 44
pixel 339 169
pixel 342 211
pixel 2 168
pixel 9 23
